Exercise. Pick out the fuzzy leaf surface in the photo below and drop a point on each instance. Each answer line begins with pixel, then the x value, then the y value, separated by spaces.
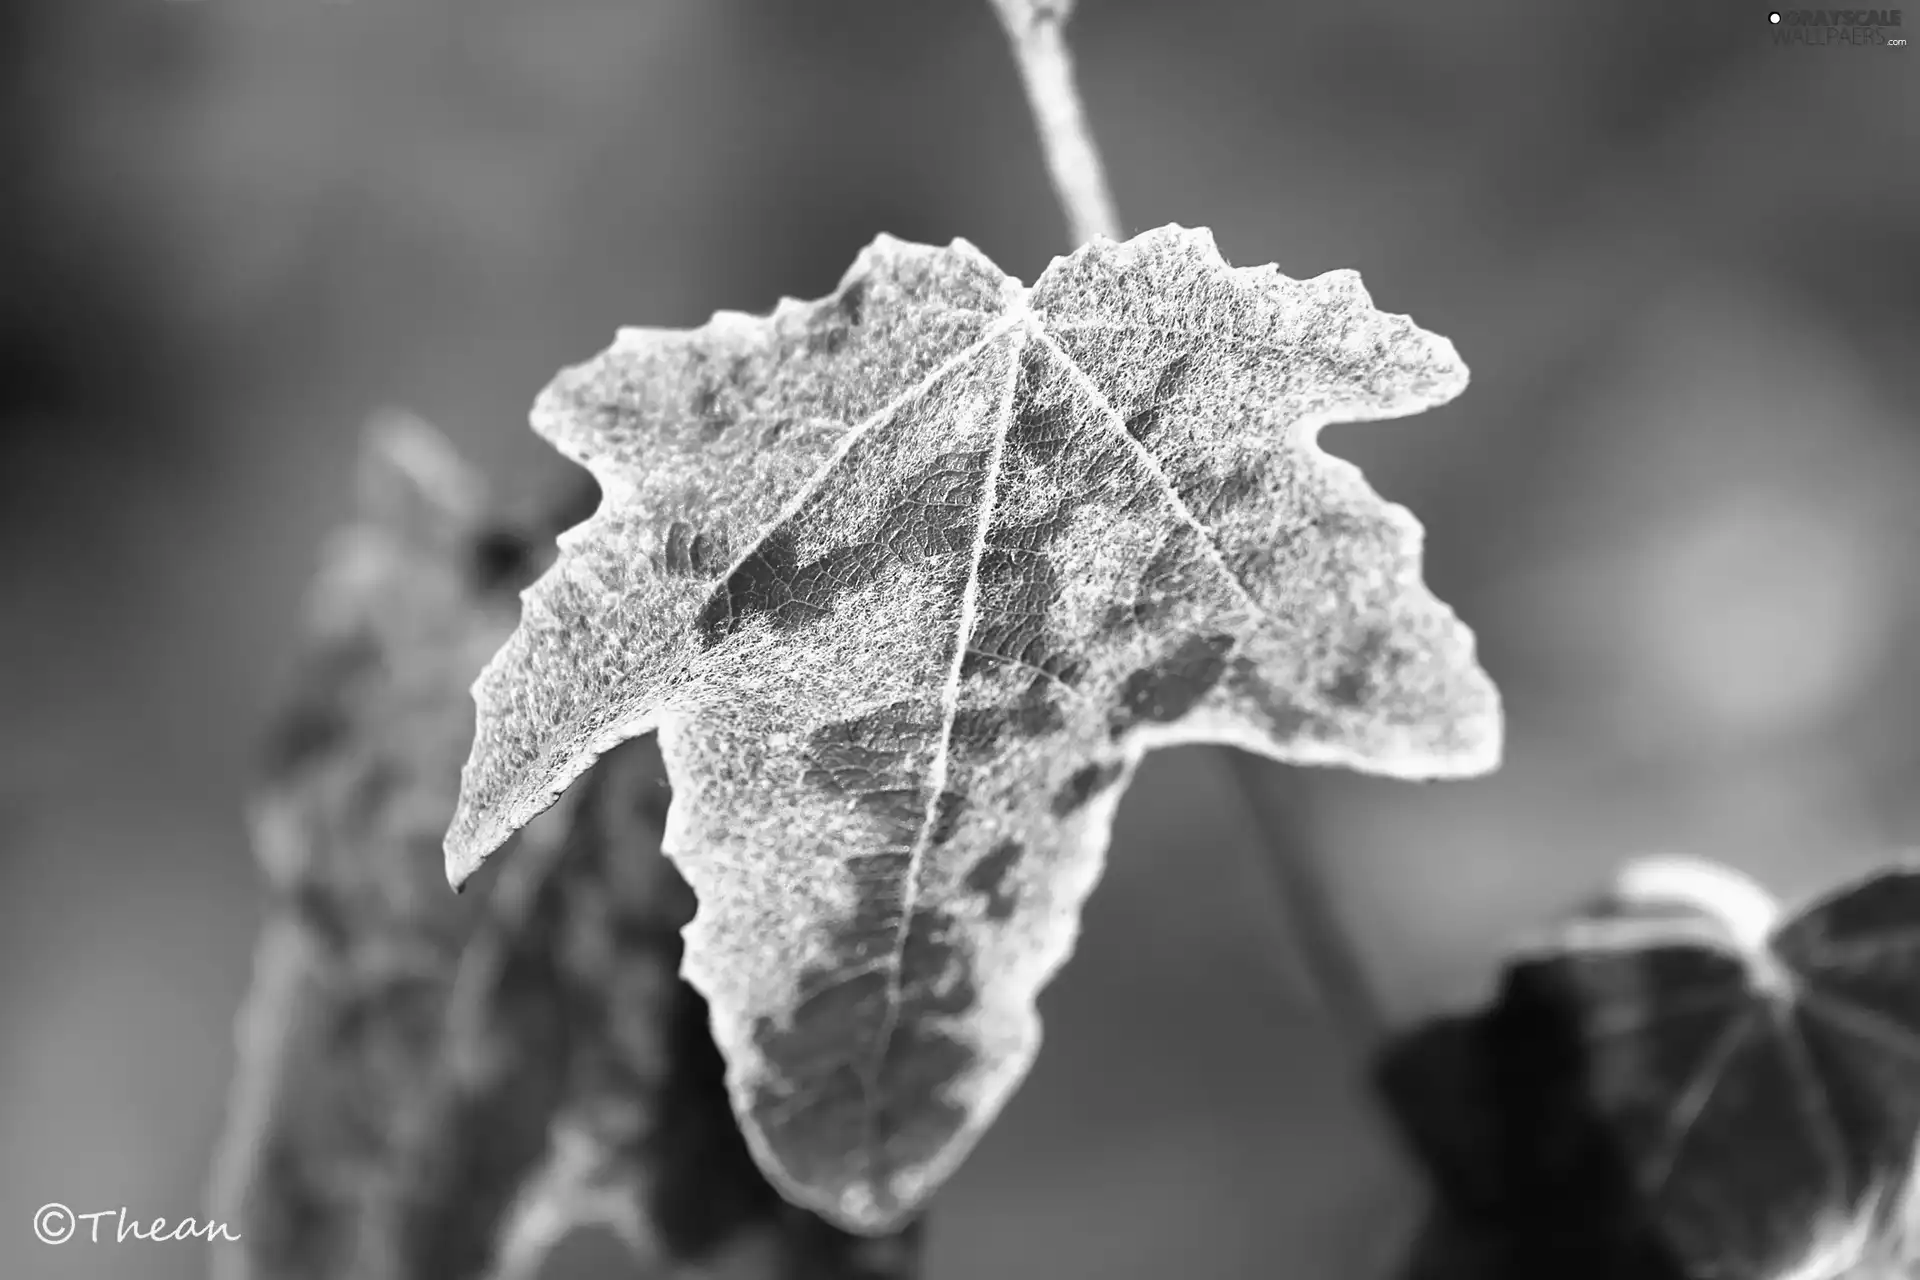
pixel 908 579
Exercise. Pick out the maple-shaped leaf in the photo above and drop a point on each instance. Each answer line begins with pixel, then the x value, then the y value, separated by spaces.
pixel 1715 1092
pixel 908 579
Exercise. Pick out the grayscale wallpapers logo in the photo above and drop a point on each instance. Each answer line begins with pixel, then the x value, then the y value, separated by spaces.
pixel 1832 28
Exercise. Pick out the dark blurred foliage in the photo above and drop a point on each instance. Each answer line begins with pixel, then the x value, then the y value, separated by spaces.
pixel 1528 1182
pixel 1655 1091
pixel 1678 503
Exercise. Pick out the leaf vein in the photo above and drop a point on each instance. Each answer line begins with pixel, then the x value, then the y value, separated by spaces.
pixel 873 421
pixel 1117 424
pixel 1868 1024
pixel 1693 1101
pixel 942 760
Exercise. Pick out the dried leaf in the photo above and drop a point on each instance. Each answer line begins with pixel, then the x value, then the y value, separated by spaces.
pixel 1685 1090
pixel 345 1017
pixel 908 579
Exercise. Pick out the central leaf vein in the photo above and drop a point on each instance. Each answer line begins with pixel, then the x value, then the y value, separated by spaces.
pixel 942 760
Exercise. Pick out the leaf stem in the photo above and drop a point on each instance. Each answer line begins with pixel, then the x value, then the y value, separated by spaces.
pixel 1335 975
pixel 1334 972
pixel 1037 31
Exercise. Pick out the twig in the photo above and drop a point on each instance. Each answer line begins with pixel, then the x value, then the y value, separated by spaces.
pixel 1037 31
pixel 1336 976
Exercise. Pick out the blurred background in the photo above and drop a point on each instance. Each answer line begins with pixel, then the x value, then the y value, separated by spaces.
pixel 1680 503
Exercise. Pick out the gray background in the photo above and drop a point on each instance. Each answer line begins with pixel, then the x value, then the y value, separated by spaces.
pixel 1678 503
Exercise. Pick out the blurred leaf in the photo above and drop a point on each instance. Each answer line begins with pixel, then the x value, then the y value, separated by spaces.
pixel 908 579
pixel 438 1088
pixel 1676 1087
